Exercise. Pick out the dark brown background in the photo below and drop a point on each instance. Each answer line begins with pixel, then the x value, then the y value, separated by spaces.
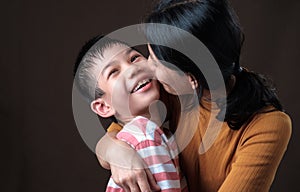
pixel 42 149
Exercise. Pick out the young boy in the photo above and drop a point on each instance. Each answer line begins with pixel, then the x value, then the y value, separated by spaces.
pixel 124 89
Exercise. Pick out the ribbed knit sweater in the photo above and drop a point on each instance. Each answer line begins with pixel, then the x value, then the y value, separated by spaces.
pixel 237 160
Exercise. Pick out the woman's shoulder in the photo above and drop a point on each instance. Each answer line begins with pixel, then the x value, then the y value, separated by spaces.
pixel 270 115
pixel 270 122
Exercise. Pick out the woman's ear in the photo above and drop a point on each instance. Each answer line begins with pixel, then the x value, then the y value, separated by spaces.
pixel 102 108
pixel 193 81
pixel 230 83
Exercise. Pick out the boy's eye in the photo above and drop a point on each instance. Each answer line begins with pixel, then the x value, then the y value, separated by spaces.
pixel 112 72
pixel 134 57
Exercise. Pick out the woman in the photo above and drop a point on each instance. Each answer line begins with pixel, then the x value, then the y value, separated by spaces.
pixel 255 132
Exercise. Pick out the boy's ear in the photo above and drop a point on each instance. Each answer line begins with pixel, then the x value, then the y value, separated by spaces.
pixel 102 108
pixel 193 81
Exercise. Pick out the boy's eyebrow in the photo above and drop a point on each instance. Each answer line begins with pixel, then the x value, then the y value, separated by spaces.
pixel 114 62
pixel 108 65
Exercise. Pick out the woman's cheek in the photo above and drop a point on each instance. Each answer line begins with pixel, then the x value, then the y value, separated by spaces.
pixel 169 89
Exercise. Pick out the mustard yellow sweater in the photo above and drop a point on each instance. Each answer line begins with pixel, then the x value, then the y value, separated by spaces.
pixel 238 160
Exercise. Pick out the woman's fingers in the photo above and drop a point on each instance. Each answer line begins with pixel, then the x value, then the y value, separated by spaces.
pixel 129 185
pixel 151 181
pixel 131 180
pixel 142 181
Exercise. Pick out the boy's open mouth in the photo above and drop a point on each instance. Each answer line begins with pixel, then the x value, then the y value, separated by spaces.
pixel 141 84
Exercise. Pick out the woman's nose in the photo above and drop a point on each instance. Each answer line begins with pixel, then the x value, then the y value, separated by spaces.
pixel 152 64
pixel 152 59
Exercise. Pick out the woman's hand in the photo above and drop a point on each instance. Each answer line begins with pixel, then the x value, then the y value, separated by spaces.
pixel 133 180
pixel 128 169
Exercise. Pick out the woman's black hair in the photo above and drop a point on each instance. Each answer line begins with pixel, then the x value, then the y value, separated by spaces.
pixel 216 25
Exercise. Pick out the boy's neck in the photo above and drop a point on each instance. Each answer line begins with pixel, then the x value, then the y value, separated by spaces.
pixel 156 113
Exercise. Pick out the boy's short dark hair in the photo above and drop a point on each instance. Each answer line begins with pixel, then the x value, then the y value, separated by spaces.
pixel 86 64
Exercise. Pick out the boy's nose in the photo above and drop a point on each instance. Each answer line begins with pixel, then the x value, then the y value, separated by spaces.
pixel 132 70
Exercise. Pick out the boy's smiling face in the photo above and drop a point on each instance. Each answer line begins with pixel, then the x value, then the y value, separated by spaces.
pixel 128 85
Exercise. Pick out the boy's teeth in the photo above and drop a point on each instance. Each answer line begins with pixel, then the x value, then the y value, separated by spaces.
pixel 138 86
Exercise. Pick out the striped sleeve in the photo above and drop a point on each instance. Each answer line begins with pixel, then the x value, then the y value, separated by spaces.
pixel 152 145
